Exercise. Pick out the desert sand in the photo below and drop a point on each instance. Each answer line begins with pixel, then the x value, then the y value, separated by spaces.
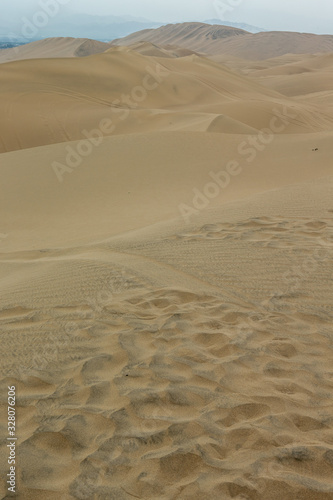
pixel 53 47
pixel 166 280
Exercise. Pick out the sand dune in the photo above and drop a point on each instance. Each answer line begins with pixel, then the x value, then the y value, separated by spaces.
pixel 286 65
pixel 54 47
pixel 82 47
pixel 302 83
pixel 193 36
pixel 87 91
pixel 273 44
pixel 150 49
pixel 157 177
pixel 166 291
pixel 306 76
pixel 248 66
pixel 217 40
pixel 59 100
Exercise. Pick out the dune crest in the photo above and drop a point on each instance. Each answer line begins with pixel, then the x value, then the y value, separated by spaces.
pixel 53 47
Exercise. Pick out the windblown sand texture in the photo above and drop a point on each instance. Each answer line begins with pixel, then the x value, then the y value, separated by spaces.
pixel 157 356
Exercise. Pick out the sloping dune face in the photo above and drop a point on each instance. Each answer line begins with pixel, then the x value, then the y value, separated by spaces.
pixel 305 78
pixel 122 91
pixel 308 76
pixel 166 250
pixel 54 47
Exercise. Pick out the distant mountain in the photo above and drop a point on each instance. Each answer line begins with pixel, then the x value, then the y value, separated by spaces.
pixel 194 36
pixel 8 45
pixel 226 40
pixel 135 19
pixel 242 26
pixel 67 23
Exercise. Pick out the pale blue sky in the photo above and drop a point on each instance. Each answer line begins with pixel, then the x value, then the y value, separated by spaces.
pixel 296 15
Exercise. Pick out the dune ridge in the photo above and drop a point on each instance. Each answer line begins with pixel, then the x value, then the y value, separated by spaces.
pixel 215 40
pixel 53 47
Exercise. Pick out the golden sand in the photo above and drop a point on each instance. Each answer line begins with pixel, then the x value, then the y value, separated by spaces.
pixel 166 281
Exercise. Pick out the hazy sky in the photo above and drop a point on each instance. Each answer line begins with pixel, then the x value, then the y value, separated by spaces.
pixel 297 15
